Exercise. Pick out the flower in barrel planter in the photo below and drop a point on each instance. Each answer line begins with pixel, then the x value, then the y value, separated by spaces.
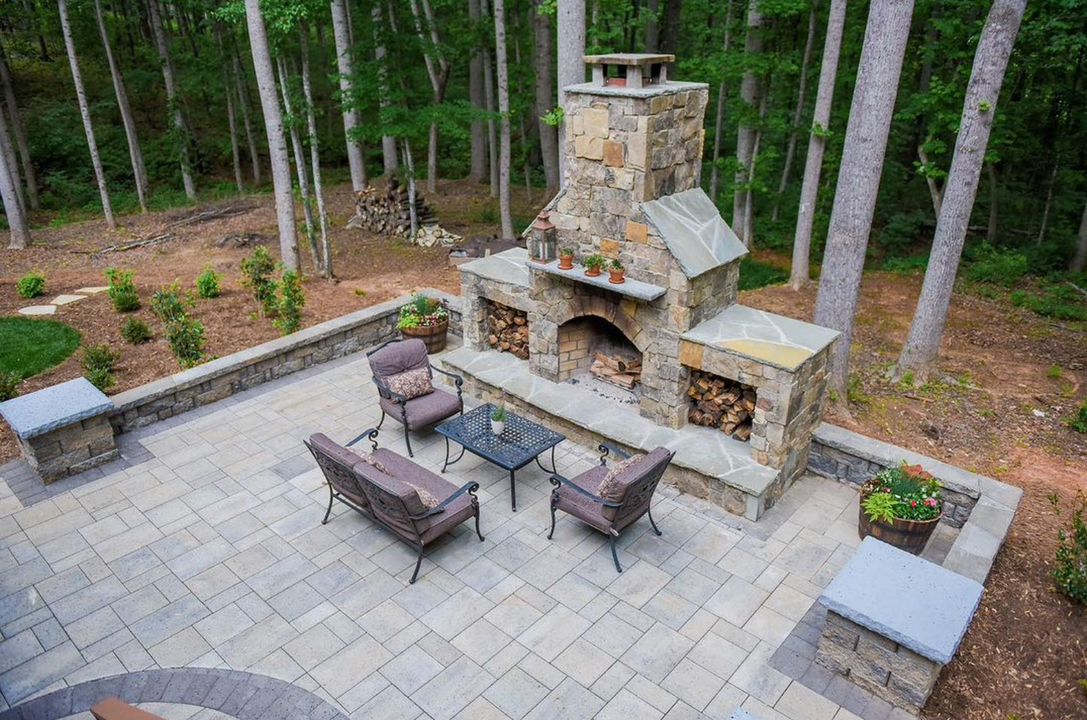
pixel 901 506
pixel 427 319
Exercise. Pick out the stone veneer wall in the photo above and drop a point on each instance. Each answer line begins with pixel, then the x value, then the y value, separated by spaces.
pixel 71 449
pixel 225 376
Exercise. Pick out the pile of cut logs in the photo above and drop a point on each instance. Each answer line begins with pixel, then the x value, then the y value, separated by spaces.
pixel 617 370
pixel 387 211
pixel 721 403
pixel 507 330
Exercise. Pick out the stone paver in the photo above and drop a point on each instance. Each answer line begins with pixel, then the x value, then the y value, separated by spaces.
pixel 207 551
pixel 38 310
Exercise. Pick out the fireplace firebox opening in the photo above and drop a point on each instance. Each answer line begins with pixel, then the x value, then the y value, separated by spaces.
pixel 722 403
pixel 593 351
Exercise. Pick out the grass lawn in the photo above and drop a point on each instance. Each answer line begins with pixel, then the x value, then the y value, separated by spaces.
pixel 29 346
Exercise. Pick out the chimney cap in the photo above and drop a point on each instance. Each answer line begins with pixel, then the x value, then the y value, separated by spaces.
pixel 629 59
pixel 631 70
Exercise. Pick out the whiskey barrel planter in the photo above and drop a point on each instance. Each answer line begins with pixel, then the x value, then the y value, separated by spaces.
pixel 433 336
pixel 908 535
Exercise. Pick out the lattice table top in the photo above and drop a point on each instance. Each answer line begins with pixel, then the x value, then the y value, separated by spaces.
pixel 521 441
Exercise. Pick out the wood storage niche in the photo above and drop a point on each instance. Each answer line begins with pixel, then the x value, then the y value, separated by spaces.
pixel 721 403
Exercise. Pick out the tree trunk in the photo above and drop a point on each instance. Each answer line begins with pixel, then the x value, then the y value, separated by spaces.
pixel 652 26
pixel 241 89
pixel 162 43
pixel 345 70
pixel 719 120
pixel 439 77
pixel 813 165
pixel 9 192
pixel 571 63
pixel 933 187
pixel 1079 261
pixel 869 125
pixel 299 163
pixel 19 132
pixel 798 112
pixel 413 211
pixel 478 135
pixel 388 142
pixel 232 121
pixel 315 155
pixel 979 107
pixel 749 203
pixel 541 58
pixel 526 141
pixel 277 141
pixel 1051 184
pixel 488 95
pixel 750 90
pixel 7 150
pixel 991 231
pixel 504 111
pixel 85 112
pixel 669 40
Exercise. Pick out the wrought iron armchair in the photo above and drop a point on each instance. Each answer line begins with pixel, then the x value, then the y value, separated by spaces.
pixel 395 357
pixel 630 500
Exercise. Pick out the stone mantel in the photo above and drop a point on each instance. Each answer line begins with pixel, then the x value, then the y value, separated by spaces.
pixel 646 292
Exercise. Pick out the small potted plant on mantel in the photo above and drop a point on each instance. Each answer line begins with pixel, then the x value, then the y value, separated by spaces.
pixel 498 419
pixel 594 264
pixel 901 506
pixel 566 258
pixel 616 272
pixel 427 319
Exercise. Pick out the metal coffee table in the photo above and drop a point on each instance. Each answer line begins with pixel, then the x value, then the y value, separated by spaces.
pixel 522 442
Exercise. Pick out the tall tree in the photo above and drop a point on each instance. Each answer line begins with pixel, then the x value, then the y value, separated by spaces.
pixel 388 142
pixel 813 165
pixel 315 155
pixel 571 59
pixel 19 132
pixel 291 121
pixel 719 118
pixel 135 156
pixel 438 73
pixel 162 44
pixel 798 111
pixel 541 61
pixel 231 116
pixel 504 112
pixel 478 132
pixel 13 208
pixel 866 134
pixel 345 70
pixel 273 126
pixel 85 112
pixel 1079 260
pixel 241 88
pixel 960 190
pixel 750 93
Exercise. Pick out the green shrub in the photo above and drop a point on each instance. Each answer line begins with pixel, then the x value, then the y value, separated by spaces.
pixel 755 274
pixel 1056 301
pixel 257 272
pixel 997 266
pixel 1078 420
pixel 9 385
pixel 135 331
pixel 290 303
pixel 207 283
pixel 1070 570
pixel 906 265
pixel 122 291
pixel 30 285
pixel 186 338
pixel 167 303
pixel 98 362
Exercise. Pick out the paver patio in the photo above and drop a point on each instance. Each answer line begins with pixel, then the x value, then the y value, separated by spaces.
pixel 203 547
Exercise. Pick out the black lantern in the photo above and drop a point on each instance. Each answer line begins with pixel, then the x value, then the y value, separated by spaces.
pixel 542 239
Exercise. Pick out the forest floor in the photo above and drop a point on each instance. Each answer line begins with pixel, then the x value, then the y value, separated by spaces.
pixel 1008 380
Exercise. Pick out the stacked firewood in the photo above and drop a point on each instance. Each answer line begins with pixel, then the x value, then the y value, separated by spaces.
pixel 507 330
pixel 721 403
pixel 387 210
pixel 617 370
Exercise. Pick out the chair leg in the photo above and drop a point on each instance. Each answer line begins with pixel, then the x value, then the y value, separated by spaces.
pixel 381 421
pixel 477 525
pixel 331 497
pixel 407 440
pixel 418 564
pixel 552 522
pixel 614 554
pixel 650 513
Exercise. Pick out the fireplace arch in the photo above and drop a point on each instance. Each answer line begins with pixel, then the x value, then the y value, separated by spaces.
pixel 609 311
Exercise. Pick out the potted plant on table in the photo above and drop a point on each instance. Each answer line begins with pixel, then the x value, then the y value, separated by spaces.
pixel 498 419
pixel 594 264
pixel 901 506
pixel 427 319
pixel 616 272
pixel 566 259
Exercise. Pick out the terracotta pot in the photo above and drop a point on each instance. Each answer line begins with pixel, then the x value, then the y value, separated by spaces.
pixel 433 336
pixel 592 272
pixel 566 262
pixel 908 535
pixel 616 276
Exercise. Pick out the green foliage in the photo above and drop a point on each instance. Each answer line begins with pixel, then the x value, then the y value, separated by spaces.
pixel 499 413
pixel 257 272
pixel 9 385
pixel 596 261
pixel 29 345
pixel 1056 301
pixel 135 331
pixel 1078 420
pixel 553 117
pixel 854 391
pixel 906 265
pixel 422 311
pixel 207 283
pixel 997 266
pixel 1070 569
pixel 30 285
pixel 167 303
pixel 122 291
pixel 1054 372
pixel 755 274
pixel 291 300
pixel 98 362
pixel 186 338
pixel 903 491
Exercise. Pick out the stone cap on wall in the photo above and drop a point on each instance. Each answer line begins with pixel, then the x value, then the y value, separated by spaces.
pixel 763 336
pixel 692 228
pixel 509 266
pixel 54 407
pixel 904 598
pixel 669 88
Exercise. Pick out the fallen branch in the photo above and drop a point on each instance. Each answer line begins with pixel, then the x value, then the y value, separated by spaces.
pixel 1077 287
pixel 211 214
pixel 133 244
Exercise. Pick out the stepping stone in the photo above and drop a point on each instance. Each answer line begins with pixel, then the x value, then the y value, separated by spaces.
pixel 65 299
pixel 92 290
pixel 38 310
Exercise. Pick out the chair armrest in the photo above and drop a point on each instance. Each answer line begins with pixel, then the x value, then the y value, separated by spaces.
pixel 457 379
pixel 384 390
pixel 559 480
pixel 606 450
pixel 371 433
pixel 469 487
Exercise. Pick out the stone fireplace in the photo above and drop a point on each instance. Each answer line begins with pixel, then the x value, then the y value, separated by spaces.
pixel 632 193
